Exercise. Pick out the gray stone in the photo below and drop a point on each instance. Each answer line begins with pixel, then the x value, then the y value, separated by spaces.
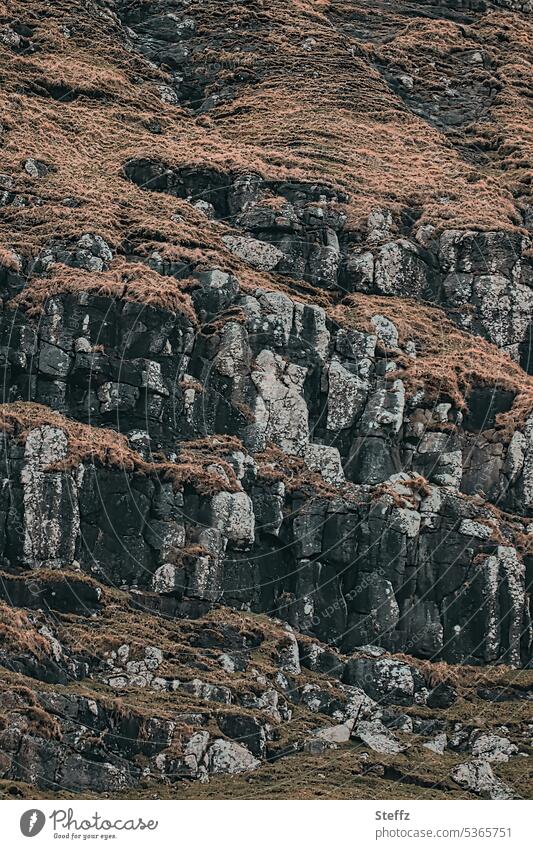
pixel 346 396
pixel 281 413
pixel 51 511
pixel 478 777
pixel 385 331
pixel 438 745
pixel 233 515
pixel 326 461
pixel 230 758
pixel 260 255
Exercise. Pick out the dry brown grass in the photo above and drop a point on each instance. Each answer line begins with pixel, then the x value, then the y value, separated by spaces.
pixel 319 115
pixel 9 260
pixel 199 463
pixel 188 555
pixel 191 383
pixel 85 442
pixel 463 677
pixel 335 119
pixel 86 142
pixel 18 634
pixel 436 672
pixel 126 281
pixel 418 485
pixel 408 42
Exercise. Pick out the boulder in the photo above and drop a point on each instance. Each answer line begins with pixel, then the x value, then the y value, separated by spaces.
pixel 230 758
pixel 493 748
pixel 377 737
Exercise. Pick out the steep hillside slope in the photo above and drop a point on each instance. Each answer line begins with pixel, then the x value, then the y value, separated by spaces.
pixel 267 402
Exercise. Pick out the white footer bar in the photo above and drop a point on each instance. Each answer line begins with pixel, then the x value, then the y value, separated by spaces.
pixel 266 825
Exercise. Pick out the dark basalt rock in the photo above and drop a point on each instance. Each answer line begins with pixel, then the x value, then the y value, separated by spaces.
pixel 442 696
pixel 350 571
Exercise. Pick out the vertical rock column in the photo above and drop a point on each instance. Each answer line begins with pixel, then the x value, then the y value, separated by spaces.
pixel 51 510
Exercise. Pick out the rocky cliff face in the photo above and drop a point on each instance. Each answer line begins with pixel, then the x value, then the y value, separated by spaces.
pixel 267 400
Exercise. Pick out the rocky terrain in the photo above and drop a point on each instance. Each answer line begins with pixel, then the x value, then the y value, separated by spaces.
pixel 266 338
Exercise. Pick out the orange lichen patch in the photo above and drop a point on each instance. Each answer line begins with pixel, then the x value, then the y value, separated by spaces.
pixel 449 362
pixel 197 465
pixel 127 281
